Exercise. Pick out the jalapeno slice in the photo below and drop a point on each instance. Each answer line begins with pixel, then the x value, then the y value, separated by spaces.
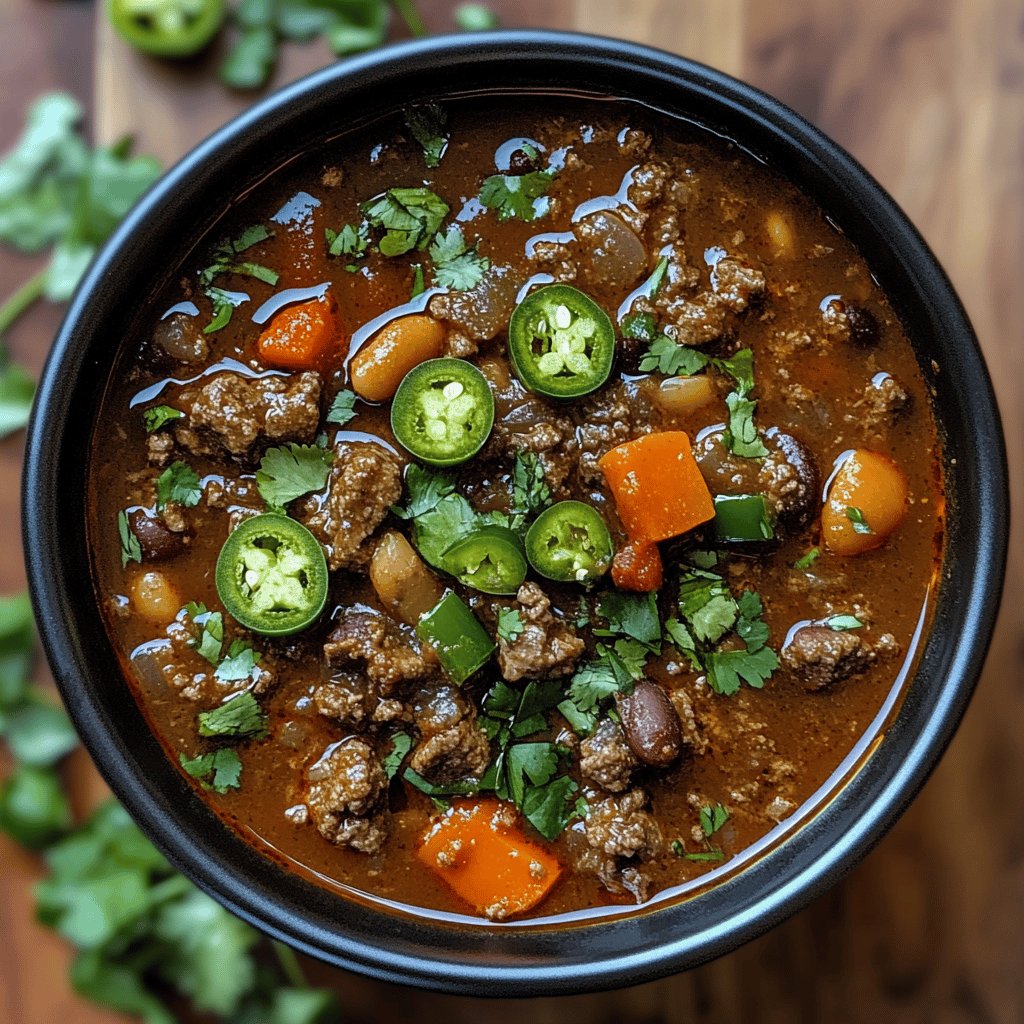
pixel 561 342
pixel 454 632
pixel 570 542
pixel 272 575
pixel 167 28
pixel 742 518
pixel 443 411
pixel 490 559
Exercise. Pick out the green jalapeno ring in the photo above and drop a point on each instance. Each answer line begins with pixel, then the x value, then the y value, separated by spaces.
pixel 491 559
pixel 271 575
pixel 570 542
pixel 561 342
pixel 443 411
pixel 167 28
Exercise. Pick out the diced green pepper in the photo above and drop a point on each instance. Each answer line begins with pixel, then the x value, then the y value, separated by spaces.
pixel 742 518
pixel 454 632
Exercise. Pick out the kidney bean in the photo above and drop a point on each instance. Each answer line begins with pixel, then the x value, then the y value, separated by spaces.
pixel 651 724
pixel 156 540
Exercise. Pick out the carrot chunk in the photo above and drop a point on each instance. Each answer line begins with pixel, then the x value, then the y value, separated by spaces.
pixel 301 337
pixel 637 566
pixel 488 862
pixel 657 485
pixel 866 501
pixel 378 367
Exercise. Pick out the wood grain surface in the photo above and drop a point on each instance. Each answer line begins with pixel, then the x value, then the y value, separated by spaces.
pixel 929 95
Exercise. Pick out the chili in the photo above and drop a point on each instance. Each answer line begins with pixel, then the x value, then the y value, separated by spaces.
pixel 570 542
pixel 490 559
pixel 742 518
pixel 459 641
pixel 271 575
pixel 562 344
pixel 167 28
pixel 443 411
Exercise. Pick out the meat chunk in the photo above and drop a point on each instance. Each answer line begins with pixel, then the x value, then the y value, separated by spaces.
pixel 235 415
pixel 345 790
pixel 547 646
pixel 482 312
pixel 736 284
pixel 608 418
pixel 820 656
pixel 374 643
pixel 355 700
pixel 883 401
pixel 366 480
pixel 787 476
pixel 605 757
pixel 849 322
pixel 452 746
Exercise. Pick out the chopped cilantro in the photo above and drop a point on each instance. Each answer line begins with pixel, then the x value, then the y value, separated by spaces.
pixel 426 488
pixel 409 217
pixel 224 305
pixel 343 408
pixel 131 549
pixel 523 196
pixel 428 124
pixel 179 483
pixel 220 770
pixel 672 359
pixel 456 265
pixel 843 622
pixel 510 625
pixel 702 559
pixel 239 717
pixel 350 241
pixel 740 367
pixel 225 261
pixel 400 745
pixel 856 516
pixel 677 847
pixel 436 530
pixel 211 626
pixel 657 278
pixel 464 787
pixel 160 415
pixel 536 762
pixel 707 605
pixel 705 855
pixel 727 668
pixel 750 627
pixel 547 808
pixel 741 436
pixel 712 818
pixel 239 662
pixel 604 676
pixel 287 473
pixel 804 562
pixel 530 490
pixel 582 722
pixel 634 615
pixel 419 282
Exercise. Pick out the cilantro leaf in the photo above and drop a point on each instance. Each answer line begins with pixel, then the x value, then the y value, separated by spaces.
pixel 604 676
pixel 211 624
pixel 510 625
pixel 400 744
pixel 464 787
pixel 522 196
pixel 683 639
pixel 843 622
pixel 241 716
pixel 530 490
pixel 739 366
pixel 635 615
pixel 653 284
pixel 160 415
pixel 224 259
pixel 419 283
pixel 741 436
pixel 666 356
pixel 224 305
pixel 856 516
pixel 706 604
pixel 39 734
pixel 712 818
pixel 547 808
pixel 428 125
pixel 179 483
pixel 750 627
pixel 456 265
pixel 583 722
pixel 220 770
pixel 34 809
pixel 287 473
pixel 426 488
pixel 727 668
pixel 239 663
pixel 343 408
pixel 537 762
pixel 349 241
pixel 804 562
pixel 410 217
pixel 436 530
pixel 131 549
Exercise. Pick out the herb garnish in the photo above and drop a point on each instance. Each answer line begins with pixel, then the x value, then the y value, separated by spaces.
pixel 804 562
pixel 410 217
pixel 843 622
pixel 672 359
pixel 523 196
pixel 428 124
pixel 225 261
pixel 456 265
pixel 856 516
pixel 219 770
pixel 240 717
pixel 510 625
pixel 287 473
pixel 712 818
pixel 179 483
pixel 238 663
pixel 530 491
pixel 343 408
pixel 401 743
pixel 131 549
pixel 159 416
pixel 211 630
pixel 350 241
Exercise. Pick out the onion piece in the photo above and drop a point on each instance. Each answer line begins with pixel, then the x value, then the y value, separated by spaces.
pixel 680 396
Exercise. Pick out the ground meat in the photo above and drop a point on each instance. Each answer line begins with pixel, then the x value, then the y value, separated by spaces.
pixel 848 322
pixel 366 480
pixel 558 259
pixel 787 476
pixel 736 284
pixel 648 184
pixel 883 401
pixel 356 701
pixel 238 415
pixel 820 657
pixel 547 646
pixel 374 643
pixel 160 448
pixel 344 796
pixel 482 312
pixel 693 728
pixel 608 418
pixel 452 746
pixel 605 757
pixel 618 826
pixel 459 346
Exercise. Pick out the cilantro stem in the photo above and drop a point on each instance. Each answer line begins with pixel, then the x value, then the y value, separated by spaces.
pixel 15 305
pixel 290 966
pixel 412 18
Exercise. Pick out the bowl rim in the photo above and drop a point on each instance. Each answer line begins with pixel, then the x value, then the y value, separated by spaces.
pixel 526 960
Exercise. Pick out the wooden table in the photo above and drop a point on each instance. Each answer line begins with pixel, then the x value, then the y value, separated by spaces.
pixel 929 94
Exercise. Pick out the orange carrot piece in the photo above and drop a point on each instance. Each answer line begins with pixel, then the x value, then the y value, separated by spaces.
pixel 637 566
pixel 871 489
pixel 301 337
pixel 657 485
pixel 378 367
pixel 487 862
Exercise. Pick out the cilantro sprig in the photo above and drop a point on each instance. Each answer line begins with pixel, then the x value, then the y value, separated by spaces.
pixel 409 218
pixel 428 125
pixel 225 259
pixel 241 717
pixel 712 817
pixel 518 196
pixel 288 473
pixel 457 266
pixel 179 483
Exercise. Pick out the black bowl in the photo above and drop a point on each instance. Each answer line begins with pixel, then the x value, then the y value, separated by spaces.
pixel 524 958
